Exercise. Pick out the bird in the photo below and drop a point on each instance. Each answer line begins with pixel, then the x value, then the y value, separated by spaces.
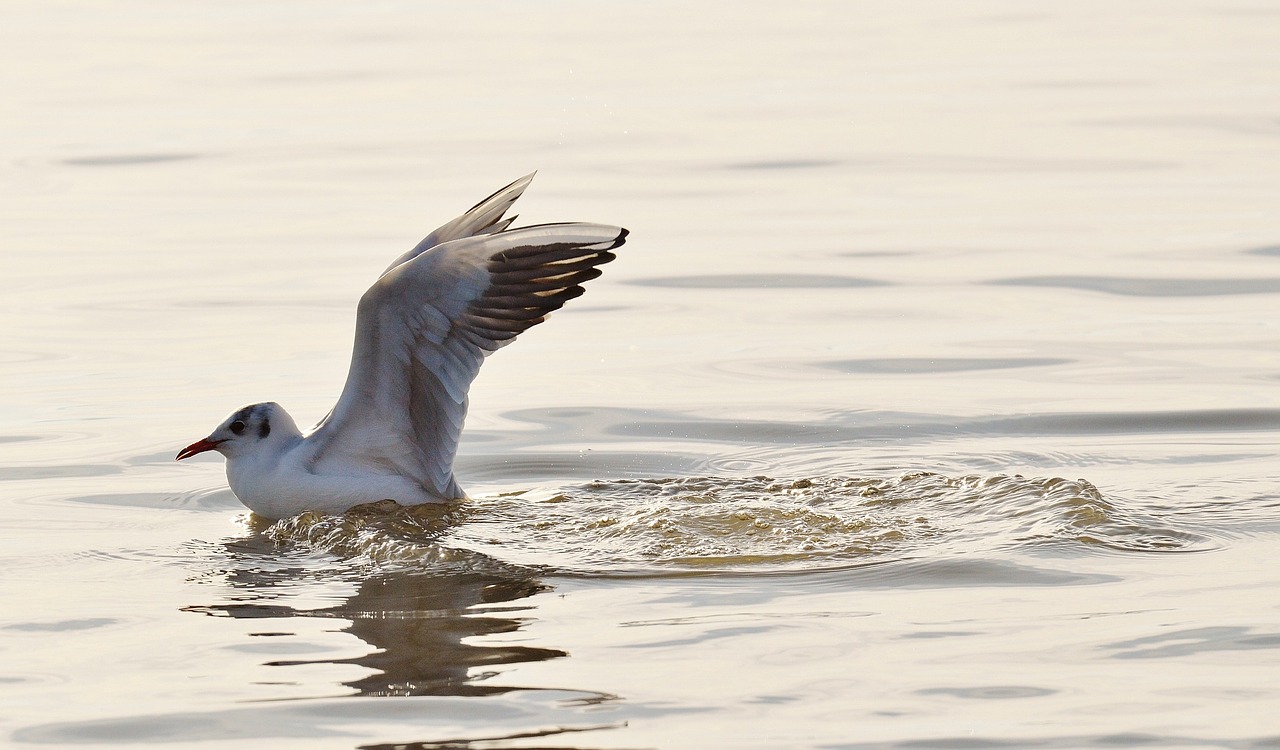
pixel 422 331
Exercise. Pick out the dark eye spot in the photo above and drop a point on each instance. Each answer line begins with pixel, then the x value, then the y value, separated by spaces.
pixel 264 430
pixel 237 427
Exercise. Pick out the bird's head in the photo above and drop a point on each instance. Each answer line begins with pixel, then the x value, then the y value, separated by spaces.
pixel 247 431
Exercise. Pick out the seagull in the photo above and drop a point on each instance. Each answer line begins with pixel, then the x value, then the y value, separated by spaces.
pixel 422 331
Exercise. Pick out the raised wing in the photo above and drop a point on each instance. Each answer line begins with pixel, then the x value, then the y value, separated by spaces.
pixel 425 327
pixel 485 217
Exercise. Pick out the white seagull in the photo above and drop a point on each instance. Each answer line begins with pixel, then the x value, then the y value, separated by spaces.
pixel 422 331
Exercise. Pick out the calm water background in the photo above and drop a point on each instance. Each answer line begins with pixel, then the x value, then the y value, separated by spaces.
pixel 932 404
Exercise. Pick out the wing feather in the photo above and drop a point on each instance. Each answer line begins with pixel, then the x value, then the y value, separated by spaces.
pixel 485 217
pixel 424 328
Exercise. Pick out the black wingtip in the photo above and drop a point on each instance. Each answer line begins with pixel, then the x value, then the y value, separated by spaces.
pixel 621 239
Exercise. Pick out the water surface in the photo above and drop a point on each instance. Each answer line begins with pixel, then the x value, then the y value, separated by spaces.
pixel 931 404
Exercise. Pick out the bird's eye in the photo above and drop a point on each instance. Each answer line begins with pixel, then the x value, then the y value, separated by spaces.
pixel 237 427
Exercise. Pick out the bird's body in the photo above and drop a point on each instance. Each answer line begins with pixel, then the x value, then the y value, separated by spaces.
pixel 422 331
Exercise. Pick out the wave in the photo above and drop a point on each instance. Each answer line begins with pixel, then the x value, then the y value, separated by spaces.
pixel 756 524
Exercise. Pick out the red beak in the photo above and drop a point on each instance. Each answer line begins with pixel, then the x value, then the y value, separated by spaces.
pixel 199 446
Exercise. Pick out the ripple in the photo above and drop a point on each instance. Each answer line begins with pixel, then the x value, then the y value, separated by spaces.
pixel 1198 420
pixel 1144 287
pixel 334 722
pixel 990 692
pixel 62 626
pixel 718 524
pixel 386 532
pixel 794 370
pixel 1103 741
pixel 527 466
pixel 1193 641
pixel 63 471
pixel 863 426
pixel 933 163
pixel 922 365
pixel 16 356
pixel 206 499
pixel 756 281
pixel 152 304
pixel 124 160
pixel 777 164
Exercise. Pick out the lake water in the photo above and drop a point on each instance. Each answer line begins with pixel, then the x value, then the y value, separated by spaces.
pixel 934 403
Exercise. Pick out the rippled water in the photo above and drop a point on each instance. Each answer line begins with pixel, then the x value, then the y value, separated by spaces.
pixel 749 525
pixel 932 404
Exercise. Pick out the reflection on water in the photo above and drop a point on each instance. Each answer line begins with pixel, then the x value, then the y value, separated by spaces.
pixel 420 625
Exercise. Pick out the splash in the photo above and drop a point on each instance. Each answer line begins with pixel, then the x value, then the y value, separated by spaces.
pixel 750 524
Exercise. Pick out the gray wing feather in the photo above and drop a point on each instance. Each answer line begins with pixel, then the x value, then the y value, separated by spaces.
pixel 485 217
pixel 424 328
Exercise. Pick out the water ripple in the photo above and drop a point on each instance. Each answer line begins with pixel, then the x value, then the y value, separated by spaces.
pixel 756 281
pixel 930 365
pixel 758 524
pixel 1146 287
pixel 861 426
pixel 125 160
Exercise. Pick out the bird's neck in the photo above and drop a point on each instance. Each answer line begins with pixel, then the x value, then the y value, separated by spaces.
pixel 265 459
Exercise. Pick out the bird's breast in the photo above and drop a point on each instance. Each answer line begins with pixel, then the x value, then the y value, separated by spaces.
pixel 286 490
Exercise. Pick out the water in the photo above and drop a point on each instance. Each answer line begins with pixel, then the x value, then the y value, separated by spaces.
pixel 933 403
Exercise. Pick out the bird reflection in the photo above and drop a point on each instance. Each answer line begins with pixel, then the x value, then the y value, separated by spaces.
pixel 420 624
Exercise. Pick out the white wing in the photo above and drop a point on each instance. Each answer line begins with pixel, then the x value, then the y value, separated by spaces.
pixel 484 217
pixel 424 328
